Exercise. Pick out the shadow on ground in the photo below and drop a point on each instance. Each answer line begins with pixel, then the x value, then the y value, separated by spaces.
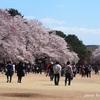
pixel 27 95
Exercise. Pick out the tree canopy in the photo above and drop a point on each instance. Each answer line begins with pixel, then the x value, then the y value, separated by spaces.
pixel 22 39
pixel 74 44
pixel 13 12
pixel 95 57
pixel 60 33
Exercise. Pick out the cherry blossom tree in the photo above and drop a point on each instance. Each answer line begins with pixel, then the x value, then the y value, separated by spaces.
pixel 23 39
pixel 95 58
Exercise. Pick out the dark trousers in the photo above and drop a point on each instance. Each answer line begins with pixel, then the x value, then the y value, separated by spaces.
pixel 51 76
pixel 19 79
pixel 89 73
pixel 56 78
pixel 68 78
pixel 8 78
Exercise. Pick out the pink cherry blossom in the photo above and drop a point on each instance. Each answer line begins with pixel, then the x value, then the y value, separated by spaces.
pixel 23 39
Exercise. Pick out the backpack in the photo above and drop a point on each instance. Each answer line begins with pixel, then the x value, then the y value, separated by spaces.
pixel 67 71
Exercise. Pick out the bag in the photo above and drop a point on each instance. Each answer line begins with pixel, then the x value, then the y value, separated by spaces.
pixel 24 72
pixel 6 71
pixel 71 77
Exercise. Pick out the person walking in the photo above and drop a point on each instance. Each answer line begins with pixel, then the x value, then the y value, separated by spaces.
pixel 20 71
pixel 51 72
pixel 57 72
pixel 9 71
pixel 89 70
pixel 74 70
pixel 68 73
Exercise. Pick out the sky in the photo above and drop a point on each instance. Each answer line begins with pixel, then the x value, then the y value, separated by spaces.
pixel 78 17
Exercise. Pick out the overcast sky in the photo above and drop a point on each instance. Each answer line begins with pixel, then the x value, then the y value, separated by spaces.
pixel 79 17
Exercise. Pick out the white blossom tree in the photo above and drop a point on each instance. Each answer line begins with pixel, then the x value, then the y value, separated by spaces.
pixel 22 39
pixel 95 58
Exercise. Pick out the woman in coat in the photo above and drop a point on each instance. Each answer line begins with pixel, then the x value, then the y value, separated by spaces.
pixel 20 71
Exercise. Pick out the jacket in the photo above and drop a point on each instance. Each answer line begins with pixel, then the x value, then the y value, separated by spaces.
pixel 57 69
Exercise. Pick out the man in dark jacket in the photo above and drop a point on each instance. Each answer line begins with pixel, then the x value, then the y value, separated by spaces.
pixel 9 71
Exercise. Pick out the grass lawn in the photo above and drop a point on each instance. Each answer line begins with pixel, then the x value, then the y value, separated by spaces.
pixel 39 87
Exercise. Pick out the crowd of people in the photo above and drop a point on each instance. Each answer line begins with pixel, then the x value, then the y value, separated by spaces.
pixel 68 70
pixel 53 70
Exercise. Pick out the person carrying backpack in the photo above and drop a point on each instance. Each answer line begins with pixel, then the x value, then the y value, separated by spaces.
pixel 68 73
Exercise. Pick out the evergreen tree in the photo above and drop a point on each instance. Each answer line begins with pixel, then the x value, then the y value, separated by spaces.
pixel 60 33
pixel 13 12
pixel 77 46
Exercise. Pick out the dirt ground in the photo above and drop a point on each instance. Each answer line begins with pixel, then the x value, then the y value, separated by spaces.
pixel 39 87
